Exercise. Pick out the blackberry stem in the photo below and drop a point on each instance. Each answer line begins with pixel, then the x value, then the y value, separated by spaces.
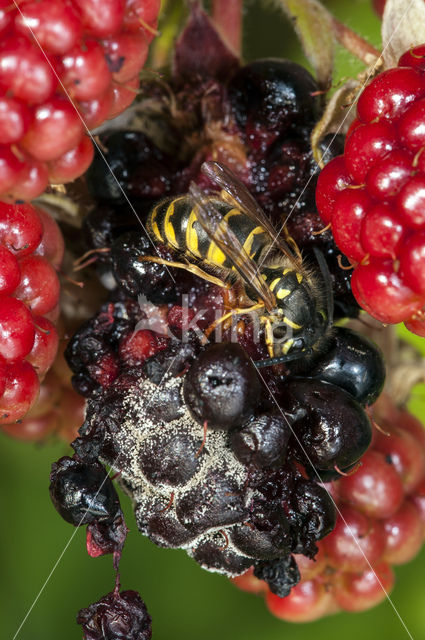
pixel 354 43
pixel 228 19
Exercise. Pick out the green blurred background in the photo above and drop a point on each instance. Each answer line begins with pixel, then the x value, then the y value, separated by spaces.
pixel 184 601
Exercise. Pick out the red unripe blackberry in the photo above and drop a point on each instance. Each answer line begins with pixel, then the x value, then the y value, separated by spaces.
pixel 403 534
pixel 55 24
pixel 77 46
pixel 381 292
pixel 355 542
pixel 39 285
pixel 332 179
pixel 10 273
pixel 16 329
pixel 24 71
pixel 375 488
pixel 390 94
pixel 73 163
pixel 365 146
pixel 307 601
pixel 383 158
pixel 15 118
pixel 21 390
pixel 56 128
pixel 362 591
pixel 84 70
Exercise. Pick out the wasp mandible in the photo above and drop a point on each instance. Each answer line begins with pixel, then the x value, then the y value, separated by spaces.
pixel 229 234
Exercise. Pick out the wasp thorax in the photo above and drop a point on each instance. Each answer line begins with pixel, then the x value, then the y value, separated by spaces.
pixel 222 387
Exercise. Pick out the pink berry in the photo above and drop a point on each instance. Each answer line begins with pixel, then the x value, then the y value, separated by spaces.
pixel 389 94
pixel 361 591
pixel 307 601
pixel 123 96
pixel 24 71
pixel 21 391
pixel 412 262
pixel 10 273
pixel 11 169
pixel 375 488
pixel 55 24
pixel 404 534
pixel 125 54
pixel 17 330
pixel 33 180
pixel 52 244
pixel 332 180
pixel 15 118
pixel 381 232
pixel 356 541
pixel 101 17
pixel 45 345
pixel 401 448
pixel 381 292
pixel 56 129
pixel 351 207
pixel 365 146
pixel 39 286
pixel 21 229
pixel 84 70
pixel 95 111
pixel 73 163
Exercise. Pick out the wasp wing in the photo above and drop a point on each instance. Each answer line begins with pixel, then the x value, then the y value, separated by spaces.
pixel 217 229
pixel 226 179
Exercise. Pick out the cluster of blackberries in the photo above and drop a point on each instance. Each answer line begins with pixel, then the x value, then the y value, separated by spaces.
pixel 257 119
pixel 380 524
pixel 219 459
pixel 216 461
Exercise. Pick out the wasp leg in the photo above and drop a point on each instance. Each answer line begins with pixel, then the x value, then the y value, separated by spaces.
pixel 233 312
pixel 188 267
pixel 268 334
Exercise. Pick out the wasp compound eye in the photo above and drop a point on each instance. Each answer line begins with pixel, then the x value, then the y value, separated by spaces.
pixel 222 387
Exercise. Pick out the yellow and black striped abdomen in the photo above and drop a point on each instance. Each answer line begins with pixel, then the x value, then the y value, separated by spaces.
pixel 173 222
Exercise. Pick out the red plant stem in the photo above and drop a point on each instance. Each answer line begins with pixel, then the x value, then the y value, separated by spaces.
pixel 354 43
pixel 227 15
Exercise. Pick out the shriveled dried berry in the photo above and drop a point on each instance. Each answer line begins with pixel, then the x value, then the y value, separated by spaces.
pixel 222 387
pixel 116 616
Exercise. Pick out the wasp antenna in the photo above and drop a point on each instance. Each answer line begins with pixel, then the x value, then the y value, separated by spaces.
pixel 323 266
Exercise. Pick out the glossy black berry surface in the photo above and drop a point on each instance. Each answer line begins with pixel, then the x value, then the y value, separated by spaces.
pixel 82 493
pixel 222 387
pixel 354 363
pixel 331 429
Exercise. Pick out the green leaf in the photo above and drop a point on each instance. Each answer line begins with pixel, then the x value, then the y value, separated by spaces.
pixel 313 25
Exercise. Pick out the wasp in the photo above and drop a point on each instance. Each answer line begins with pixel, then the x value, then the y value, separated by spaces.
pixel 229 234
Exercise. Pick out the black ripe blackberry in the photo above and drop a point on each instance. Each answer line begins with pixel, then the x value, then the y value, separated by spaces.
pixel 83 493
pixel 262 442
pixel 332 429
pixel 354 363
pixel 138 169
pixel 273 94
pixel 222 387
pixel 281 574
pixel 116 616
